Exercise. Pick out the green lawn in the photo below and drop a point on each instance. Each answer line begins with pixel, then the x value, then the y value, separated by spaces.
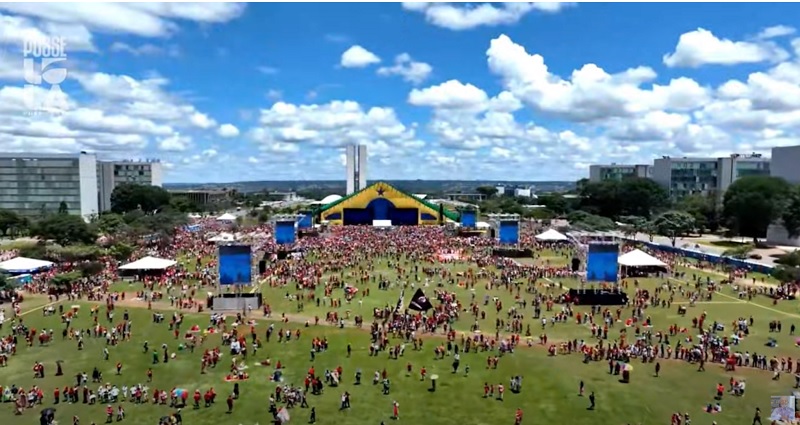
pixel 549 394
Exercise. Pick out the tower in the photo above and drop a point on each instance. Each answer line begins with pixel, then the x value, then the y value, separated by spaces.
pixel 356 162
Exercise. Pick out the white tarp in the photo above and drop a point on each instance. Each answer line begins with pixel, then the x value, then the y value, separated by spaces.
pixel 149 263
pixel 226 217
pixel 551 236
pixel 381 223
pixel 639 258
pixel 482 225
pixel 23 265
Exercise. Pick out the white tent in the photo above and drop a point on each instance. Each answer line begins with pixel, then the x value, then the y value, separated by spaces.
pixel 149 263
pixel 24 265
pixel 482 225
pixel 226 217
pixel 382 223
pixel 638 258
pixel 223 237
pixel 551 236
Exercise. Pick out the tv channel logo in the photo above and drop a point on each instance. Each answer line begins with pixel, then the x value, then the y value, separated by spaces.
pixel 44 60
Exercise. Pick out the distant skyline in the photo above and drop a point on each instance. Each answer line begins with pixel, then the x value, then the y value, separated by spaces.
pixel 226 92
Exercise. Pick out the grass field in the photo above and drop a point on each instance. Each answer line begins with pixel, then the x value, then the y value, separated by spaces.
pixel 549 394
pixel 549 390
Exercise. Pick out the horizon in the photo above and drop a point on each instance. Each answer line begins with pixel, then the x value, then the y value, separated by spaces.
pixel 233 93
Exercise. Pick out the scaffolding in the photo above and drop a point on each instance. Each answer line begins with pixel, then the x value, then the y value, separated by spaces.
pixel 283 218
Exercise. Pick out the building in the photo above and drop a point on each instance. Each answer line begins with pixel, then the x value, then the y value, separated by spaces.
pixel 786 163
pixel 381 201
pixel 616 172
pixel 203 198
pixel 356 162
pixel 34 184
pixel 110 174
pixel 706 176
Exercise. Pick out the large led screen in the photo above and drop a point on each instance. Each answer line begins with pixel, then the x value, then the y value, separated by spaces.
pixel 235 265
pixel 468 219
pixel 601 264
pixel 509 232
pixel 306 220
pixel 284 232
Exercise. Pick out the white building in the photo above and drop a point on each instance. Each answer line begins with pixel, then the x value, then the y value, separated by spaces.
pixel 110 174
pixel 605 172
pixel 33 184
pixel 786 165
pixel 706 176
pixel 356 162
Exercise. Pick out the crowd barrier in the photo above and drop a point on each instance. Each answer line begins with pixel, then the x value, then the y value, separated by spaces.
pixel 711 258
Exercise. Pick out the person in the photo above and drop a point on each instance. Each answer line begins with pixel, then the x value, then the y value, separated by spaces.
pixel 230 403
pixel 236 390
pixel 591 400
pixel 580 389
pixel 757 415
pixel 518 417
pixel 658 368
pixel 313 418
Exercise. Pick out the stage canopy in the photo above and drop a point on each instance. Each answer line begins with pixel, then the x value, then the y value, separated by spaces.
pixel 24 265
pixel 149 263
pixel 551 236
pixel 226 217
pixel 381 223
pixel 638 258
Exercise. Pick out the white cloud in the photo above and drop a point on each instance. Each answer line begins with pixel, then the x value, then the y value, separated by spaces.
pixel 253 160
pixel 776 31
pixel 16 30
pixel 268 70
pixel 175 143
pixel 412 71
pixel 201 120
pixel 591 93
pixel 146 49
pixel 142 19
pixel 228 131
pixel 358 57
pixel 452 94
pixel 460 17
pixel 702 47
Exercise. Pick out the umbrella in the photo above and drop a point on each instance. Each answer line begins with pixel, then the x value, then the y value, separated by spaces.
pixel 178 392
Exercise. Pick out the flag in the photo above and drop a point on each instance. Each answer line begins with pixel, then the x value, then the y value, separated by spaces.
pixel 400 301
pixel 419 302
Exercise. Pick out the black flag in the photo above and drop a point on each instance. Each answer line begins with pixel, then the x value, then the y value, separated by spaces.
pixel 400 301
pixel 419 302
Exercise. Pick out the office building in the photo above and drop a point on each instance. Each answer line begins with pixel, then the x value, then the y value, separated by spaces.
pixel 617 172
pixel 110 174
pixel 204 198
pixel 706 176
pixel 36 184
pixel 786 163
pixel 356 162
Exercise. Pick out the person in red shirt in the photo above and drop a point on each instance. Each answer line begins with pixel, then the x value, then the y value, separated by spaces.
pixel 109 414
pixel 56 395
pixel 119 368
pixel 422 373
pixel 518 417
pixel 196 398
pixel 230 403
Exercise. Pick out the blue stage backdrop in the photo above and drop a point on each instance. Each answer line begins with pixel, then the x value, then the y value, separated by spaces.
pixel 469 218
pixel 509 232
pixel 306 220
pixel 284 232
pixel 235 265
pixel 602 263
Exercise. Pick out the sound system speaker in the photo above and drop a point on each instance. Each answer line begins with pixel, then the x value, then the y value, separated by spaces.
pixel 262 267
pixel 576 264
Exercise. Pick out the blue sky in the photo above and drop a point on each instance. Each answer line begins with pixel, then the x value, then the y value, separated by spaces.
pixel 525 91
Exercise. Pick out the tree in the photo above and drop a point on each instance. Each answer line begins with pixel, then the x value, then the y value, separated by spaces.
pixel 263 216
pixel 641 197
pixel 704 209
pixel 63 208
pixel 740 252
pixel 128 197
pixel 752 203
pixel 11 222
pixel 6 284
pixel 600 198
pixel 64 230
pixel 110 223
pixel 582 220
pixel 555 202
pixel 633 224
pixel 487 191
pixel 121 251
pixel 790 217
pixel 183 204
pixel 673 224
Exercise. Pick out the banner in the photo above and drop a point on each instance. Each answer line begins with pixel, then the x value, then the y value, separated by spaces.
pixel 235 265
pixel 469 219
pixel 419 302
